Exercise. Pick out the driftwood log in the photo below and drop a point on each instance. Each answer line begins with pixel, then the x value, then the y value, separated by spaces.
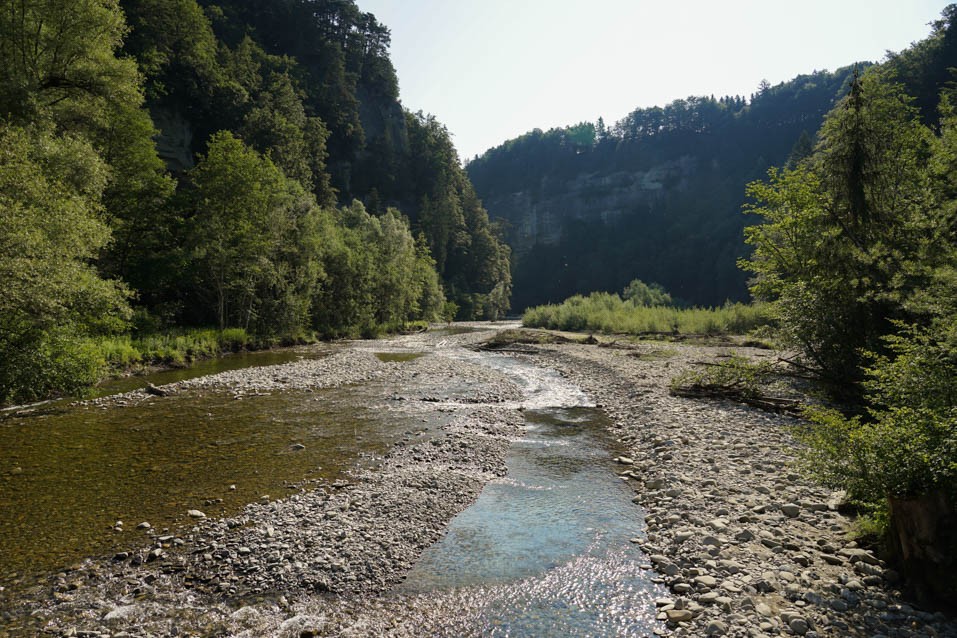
pixel 734 392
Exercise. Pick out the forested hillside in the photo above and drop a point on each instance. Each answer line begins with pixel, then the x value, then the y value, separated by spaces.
pixel 656 196
pixel 240 165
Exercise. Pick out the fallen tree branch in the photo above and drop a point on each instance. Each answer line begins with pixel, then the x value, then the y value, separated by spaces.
pixel 780 405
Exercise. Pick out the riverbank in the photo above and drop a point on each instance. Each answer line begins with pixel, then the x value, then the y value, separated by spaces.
pixel 348 538
pixel 744 544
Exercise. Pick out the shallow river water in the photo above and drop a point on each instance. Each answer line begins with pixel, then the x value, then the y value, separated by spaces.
pixel 68 474
pixel 543 551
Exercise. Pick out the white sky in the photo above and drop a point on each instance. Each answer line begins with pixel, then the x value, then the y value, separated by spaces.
pixel 491 70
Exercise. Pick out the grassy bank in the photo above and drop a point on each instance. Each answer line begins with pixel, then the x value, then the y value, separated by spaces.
pixel 607 313
pixel 180 348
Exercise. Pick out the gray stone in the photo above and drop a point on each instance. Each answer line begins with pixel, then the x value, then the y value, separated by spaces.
pixel 799 626
pixel 791 510
pixel 120 613
pixel 679 615
pixel 859 555
pixel 763 609
pixel 706 581
pixel 744 536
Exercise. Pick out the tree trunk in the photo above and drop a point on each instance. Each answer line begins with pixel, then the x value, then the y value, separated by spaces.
pixel 923 537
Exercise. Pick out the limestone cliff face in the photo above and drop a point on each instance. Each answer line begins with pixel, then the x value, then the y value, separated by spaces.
pixel 538 215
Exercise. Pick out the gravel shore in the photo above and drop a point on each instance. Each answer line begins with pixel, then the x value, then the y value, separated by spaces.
pixel 745 544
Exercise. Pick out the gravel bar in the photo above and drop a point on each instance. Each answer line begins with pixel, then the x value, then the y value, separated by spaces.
pixel 744 543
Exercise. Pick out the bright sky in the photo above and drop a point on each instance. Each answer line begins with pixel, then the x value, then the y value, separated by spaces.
pixel 491 70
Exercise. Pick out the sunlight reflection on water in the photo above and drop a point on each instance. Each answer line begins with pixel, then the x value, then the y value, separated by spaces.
pixel 545 550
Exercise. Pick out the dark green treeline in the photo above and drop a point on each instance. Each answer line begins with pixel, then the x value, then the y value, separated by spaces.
pixel 656 196
pixel 168 163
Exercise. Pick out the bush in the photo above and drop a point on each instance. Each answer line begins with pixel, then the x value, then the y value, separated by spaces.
pixel 53 363
pixel 905 445
pixel 902 453
pixel 608 313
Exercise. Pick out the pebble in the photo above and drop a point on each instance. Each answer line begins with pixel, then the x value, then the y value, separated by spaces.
pixel 679 615
pixel 747 546
pixel 790 510
pixel 740 514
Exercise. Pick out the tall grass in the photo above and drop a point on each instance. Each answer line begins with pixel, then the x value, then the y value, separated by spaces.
pixel 176 349
pixel 608 313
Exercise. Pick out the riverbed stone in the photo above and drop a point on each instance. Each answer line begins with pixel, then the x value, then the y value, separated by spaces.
pixel 799 625
pixel 679 615
pixel 706 581
pixel 698 461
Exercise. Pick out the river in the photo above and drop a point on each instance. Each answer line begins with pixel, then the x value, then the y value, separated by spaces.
pixel 544 549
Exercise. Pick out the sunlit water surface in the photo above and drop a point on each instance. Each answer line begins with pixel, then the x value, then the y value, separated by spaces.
pixel 545 550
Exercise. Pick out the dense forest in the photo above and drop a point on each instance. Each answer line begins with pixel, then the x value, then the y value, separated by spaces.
pixel 656 196
pixel 237 165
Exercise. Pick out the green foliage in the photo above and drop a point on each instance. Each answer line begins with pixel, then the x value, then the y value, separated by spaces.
pixel 470 257
pixel 903 452
pixel 857 256
pixel 59 63
pixel 253 244
pixel 121 353
pixel 267 97
pixel 378 276
pixel 737 377
pixel 642 294
pixel 849 232
pixel 608 313
pixel 51 297
pixel 174 46
pixel 734 371
pixel 449 310
pixel 905 445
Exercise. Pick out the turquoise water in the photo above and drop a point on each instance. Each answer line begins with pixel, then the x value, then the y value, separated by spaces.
pixel 545 550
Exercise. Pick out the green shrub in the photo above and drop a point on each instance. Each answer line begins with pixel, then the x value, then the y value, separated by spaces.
pixel 903 452
pixel 905 445
pixel 608 313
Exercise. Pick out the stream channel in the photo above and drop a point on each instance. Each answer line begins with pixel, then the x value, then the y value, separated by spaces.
pixel 546 549
pixel 543 551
